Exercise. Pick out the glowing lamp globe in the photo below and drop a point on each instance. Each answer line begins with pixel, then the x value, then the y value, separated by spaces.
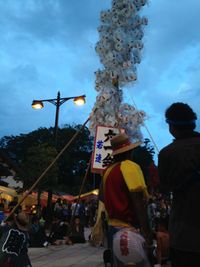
pixel 37 104
pixel 80 100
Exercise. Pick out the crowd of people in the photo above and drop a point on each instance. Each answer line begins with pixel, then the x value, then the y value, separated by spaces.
pixel 158 211
pixel 169 226
pixel 68 223
pixel 26 229
pixel 165 225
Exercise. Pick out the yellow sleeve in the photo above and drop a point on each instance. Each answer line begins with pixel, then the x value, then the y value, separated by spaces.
pixel 133 177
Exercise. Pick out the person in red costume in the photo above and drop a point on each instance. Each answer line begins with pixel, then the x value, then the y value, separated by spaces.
pixel 125 192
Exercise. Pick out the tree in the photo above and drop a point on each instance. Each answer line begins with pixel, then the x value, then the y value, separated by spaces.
pixel 36 160
pixel 16 146
pixel 72 164
pixel 144 156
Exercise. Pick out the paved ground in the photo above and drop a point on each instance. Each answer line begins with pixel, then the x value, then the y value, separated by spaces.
pixel 78 255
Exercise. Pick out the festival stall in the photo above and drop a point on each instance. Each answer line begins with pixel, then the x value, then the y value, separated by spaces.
pixel 89 195
pixel 32 198
pixel 7 193
pixel 68 198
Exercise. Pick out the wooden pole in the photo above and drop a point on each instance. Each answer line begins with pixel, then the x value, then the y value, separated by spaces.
pixel 80 191
pixel 47 169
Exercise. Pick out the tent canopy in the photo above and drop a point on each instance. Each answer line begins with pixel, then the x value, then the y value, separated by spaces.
pixel 7 193
pixel 89 195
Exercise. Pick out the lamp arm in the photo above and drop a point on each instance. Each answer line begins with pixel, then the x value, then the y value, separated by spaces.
pixel 62 99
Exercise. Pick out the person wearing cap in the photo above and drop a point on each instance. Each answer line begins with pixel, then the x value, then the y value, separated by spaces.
pixel 124 191
pixel 179 172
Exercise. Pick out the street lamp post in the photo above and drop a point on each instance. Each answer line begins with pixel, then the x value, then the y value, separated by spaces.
pixel 38 104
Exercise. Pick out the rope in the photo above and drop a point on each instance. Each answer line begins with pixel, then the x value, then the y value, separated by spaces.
pixel 115 83
pixel 151 137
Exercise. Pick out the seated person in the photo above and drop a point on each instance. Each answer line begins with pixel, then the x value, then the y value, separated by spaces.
pixel 2 215
pixel 37 233
pixel 162 240
pixel 77 232
pixel 59 232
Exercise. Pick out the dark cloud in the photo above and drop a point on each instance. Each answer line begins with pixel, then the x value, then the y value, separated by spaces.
pixel 169 71
pixel 49 20
pixel 48 46
pixel 25 73
pixel 172 28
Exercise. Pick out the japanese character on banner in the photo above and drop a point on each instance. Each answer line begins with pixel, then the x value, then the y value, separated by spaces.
pixel 107 160
pixel 128 247
pixel 109 135
pixel 98 158
pixel 124 244
pixel 102 154
pixel 14 242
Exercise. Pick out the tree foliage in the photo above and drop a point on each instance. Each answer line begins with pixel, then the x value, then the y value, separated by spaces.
pixel 36 160
pixel 33 152
pixel 71 165
pixel 144 156
pixel 16 146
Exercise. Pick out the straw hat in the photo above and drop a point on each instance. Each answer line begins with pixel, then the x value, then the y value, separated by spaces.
pixel 121 143
pixel 21 220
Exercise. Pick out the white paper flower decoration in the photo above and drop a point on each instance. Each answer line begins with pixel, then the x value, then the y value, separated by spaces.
pixel 119 46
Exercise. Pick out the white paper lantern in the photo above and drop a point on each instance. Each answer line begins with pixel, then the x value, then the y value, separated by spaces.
pixel 128 247
pixel 120 32
pixel 105 16
pixel 144 21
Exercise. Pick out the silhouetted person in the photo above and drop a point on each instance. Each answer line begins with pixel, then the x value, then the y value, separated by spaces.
pixel 179 171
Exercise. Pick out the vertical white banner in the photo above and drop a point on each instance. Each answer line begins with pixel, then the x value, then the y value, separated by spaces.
pixel 102 154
